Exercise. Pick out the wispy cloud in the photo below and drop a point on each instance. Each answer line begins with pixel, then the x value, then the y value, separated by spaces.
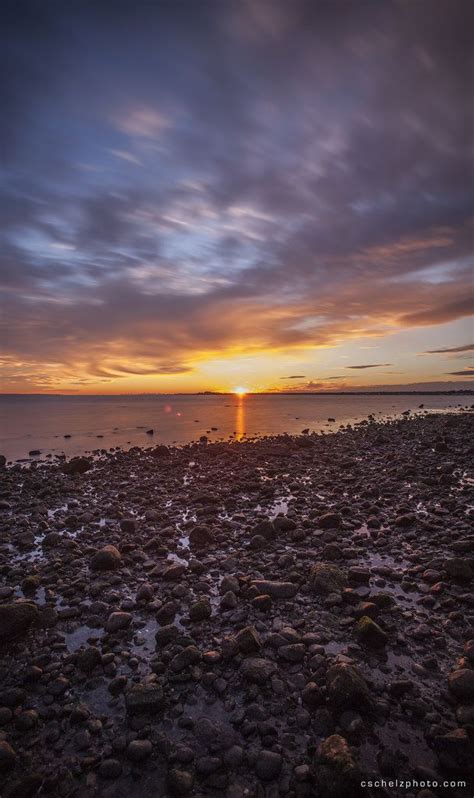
pixel 453 349
pixel 469 372
pixel 369 366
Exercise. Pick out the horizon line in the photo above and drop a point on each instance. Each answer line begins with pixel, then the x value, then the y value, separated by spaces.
pixel 464 391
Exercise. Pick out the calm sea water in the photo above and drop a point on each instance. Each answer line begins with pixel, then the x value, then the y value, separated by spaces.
pixel 94 422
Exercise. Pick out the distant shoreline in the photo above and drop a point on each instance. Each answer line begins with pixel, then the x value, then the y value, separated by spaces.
pixel 460 392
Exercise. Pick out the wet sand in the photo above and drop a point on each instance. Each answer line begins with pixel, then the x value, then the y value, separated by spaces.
pixel 284 617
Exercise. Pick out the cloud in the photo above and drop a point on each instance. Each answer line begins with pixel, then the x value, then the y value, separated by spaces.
pixel 469 372
pixel 369 366
pixel 304 180
pixel 453 349
pixel 294 377
pixel 145 122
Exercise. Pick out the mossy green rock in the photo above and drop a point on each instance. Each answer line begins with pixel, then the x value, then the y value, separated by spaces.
pixel 326 578
pixel 370 634
pixel 346 688
pixel 337 773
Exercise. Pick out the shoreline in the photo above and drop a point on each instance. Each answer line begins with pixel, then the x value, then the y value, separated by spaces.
pixel 269 610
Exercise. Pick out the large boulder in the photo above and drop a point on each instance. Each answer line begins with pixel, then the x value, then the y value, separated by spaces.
pixel 16 619
pixel 144 698
pixel 78 465
pixel 106 559
pixel 347 688
pixel 369 633
pixel 325 578
pixel 337 773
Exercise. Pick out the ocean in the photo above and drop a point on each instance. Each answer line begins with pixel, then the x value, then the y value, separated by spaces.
pixel 41 423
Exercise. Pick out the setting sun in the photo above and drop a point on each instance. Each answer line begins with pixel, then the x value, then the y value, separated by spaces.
pixel 239 391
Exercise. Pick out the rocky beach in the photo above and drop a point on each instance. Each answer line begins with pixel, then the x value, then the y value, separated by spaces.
pixel 288 616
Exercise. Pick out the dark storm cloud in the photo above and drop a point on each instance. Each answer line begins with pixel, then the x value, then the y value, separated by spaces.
pixel 181 178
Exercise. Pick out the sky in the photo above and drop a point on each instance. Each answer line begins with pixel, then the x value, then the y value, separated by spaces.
pixel 259 193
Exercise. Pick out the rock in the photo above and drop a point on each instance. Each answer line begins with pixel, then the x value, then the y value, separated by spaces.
pixel 167 612
pixel 166 634
pixel 331 551
pixel 294 652
pixel 248 640
pixel 456 751
pixel 346 687
pixel 268 765
pixel 30 584
pixel 325 578
pixel 277 590
pixel 139 750
pixel 312 696
pixel 180 782
pixel 257 669
pixel 229 584
pixel 7 756
pixel 160 451
pixel 106 559
pixel 117 621
pixel 174 572
pixel 110 769
pixel 461 685
pixel 406 520
pixel 369 633
pixel 229 601
pixel 3 461
pixel 34 452
pixel 16 619
pixel 284 524
pixel 329 521
pixel 200 610
pixel 51 540
pixel 359 575
pixel 88 659
pixel 458 569
pixel 186 658
pixel 144 698
pixel 257 542
pixel 262 603
pixel 337 773
pixel 469 650
pixel 145 593
pixel 200 536
pixel 128 525
pixel 265 529
pixel 78 465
